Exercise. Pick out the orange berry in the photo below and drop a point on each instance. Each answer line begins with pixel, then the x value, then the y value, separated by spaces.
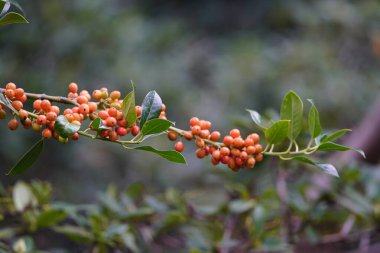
pixel 47 133
pixel 13 124
pixel 235 152
pixel 224 151
pixel 73 87
pixel 23 98
pixel 251 163
pixel 51 116
pixel 179 146
pixel 72 95
pixel 251 150
pixel 172 136
pixel 205 124
pixel 23 115
pixel 255 137
pixel 55 109
pixel 122 123
pixel 205 134
pixel 235 133
pixel 111 122
pixel 86 94
pixel 97 95
pixel 199 142
pixel 93 106
pixel 214 161
pixel 216 154
pixel 188 135
pixel 103 114
pixel 18 105
pixel 231 164
pixel 119 115
pixel 224 159
pixel 75 109
pixel 112 112
pixel 3 114
pixel 238 142
pixel 77 116
pixel 10 93
pixel 200 153
pixel 228 140
pixel 27 123
pixel 244 155
pixel 249 142
pixel 69 117
pixel 138 110
pixel 215 135
pixel 194 121
pixel 82 99
pixel 41 120
pixel 259 157
pixel 113 136
pixel 115 95
pixel 84 109
pixel 45 105
pixel 258 148
pixel 196 130
pixel 19 92
pixel 238 162
pixel 11 86
pixel 37 104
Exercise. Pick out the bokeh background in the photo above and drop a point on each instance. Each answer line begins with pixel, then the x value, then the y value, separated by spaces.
pixel 210 59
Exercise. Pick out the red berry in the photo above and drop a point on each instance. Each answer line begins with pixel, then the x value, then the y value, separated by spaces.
pixel 205 134
pixel 10 93
pixel 215 135
pixel 258 148
pixel 251 150
pixel 112 112
pixel 235 133
pixel 255 137
pixel 199 142
pixel 251 163
pixel 51 116
pixel 172 136
pixel 122 131
pixel 216 154
pixel 138 110
pixel 224 151
pixel 19 92
pixel 194 121
pixel 205 124
pixel 18 105
pixel 97 94
pixel 41 120
pixel 3 114
pixel 45 105
pixel 103 114
pixel 259 157
pixel 47 133
pixel 23 115
pixel 54 109
pixel 84 109
pixel 11 86
pixel 113 136
pixel 115 95
pixel 200 153
pixel 122 123
pixel 238 142
pixel 228 140
pixel 111 122
pixel 75 136
pixel 196 130
pixel 13 124
pixel 82 100
pixel 188 135
pixel 135 130
pixel 179 146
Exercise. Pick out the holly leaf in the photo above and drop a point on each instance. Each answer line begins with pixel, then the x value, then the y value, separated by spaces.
pixel 129 107
pixel 151 107
pixel 277 132
pixel 64 128
pixel 170 155
pixel 314 122
pixel 291 109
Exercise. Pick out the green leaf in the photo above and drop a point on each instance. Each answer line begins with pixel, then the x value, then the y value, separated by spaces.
pixel 23 197
pixel 331 146
pixel 64 128
pixel 50 218
pixel 335 135
pixel 97 125
pixel 4 7
pixel 169 155
pixel 258 216
pixel 5 101
pixel 328 169
pixel 75 233
pixel 151 107
pixel 129 107
pixel 291 109
pixel 12 18
pixel 156 126
pixel 28 159
pixel 277 132
pixel 303 159
pixel 256 117
pixel 314 122
pixel 241 206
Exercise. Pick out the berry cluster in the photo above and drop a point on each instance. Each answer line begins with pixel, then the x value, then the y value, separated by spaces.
pixel 234 151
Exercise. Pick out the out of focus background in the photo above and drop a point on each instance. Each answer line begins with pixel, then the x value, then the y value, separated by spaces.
pixel 210 59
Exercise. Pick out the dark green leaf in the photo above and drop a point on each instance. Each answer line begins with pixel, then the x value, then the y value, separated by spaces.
pixel 5 101
pixel 328 169
pixel 314 122
pixel 4 7
pixel 303 159
pixel 335 135
pixel 291 109
pixel 331 146
pixel 277 132
pixel 97 125
pixel 28 159
pixel 12 18
pixel 64 128
pixel 129 107
pixel 256 117
pixel 156 126
pixel 169 155
pixel 50 218
pixel 151 107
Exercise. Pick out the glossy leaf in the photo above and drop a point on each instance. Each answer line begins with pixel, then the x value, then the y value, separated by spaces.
pixel 97 125
pixel 151 107
pixel 256 117
pixel 277 132
pixel 12 18
pixel 129 107
pixel 28 159
pixel 169 155
pixel 314 122
pixel 331 146
pixel 64 128
pixel 328 169
pixel 291 109
pixel 75 233
pixel 335 135
pixel 156 126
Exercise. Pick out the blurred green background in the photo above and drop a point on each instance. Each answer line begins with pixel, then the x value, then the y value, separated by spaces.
pixel 211 59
